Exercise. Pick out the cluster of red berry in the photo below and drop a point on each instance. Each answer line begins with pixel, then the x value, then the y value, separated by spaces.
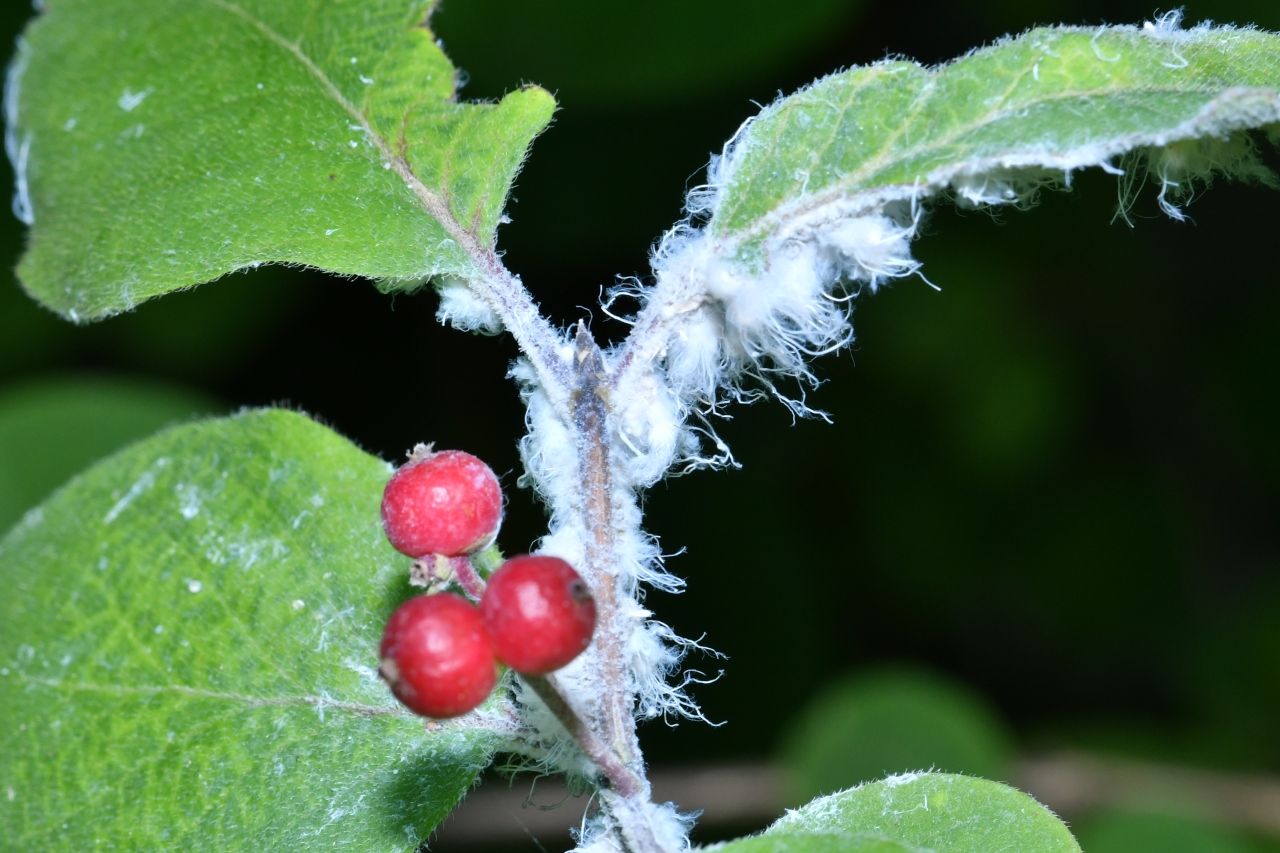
pixel 440 652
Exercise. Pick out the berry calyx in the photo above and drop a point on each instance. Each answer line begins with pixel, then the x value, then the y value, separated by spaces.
pixel 539 614
pixel 436 656
pixel 446 503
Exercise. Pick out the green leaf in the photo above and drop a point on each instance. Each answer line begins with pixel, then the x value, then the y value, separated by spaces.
pixel 187 643
pixel 49 430
pixel 843 842
pixel 163 144
pixel 939 812
pixel 860 727
pixel 993 125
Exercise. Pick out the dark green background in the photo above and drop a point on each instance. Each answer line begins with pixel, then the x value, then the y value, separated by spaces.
pixel 1058 480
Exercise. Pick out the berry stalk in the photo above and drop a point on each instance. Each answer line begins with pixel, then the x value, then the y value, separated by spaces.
pixel 620 777
pixel 633 789
pixel 468 578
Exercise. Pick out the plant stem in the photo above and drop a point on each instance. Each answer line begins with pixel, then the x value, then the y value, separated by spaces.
pixel 631 791
pixel 590 420
pixel 521 317
pixel 468 578
pixel 617 753
pixel 620 777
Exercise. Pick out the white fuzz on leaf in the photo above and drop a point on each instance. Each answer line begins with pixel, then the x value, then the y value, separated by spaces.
pixel 727 316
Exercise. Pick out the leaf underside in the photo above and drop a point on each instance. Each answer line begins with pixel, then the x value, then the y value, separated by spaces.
pixel 937 812
pixel 164 144
pixel 1050 101
pixel 187 648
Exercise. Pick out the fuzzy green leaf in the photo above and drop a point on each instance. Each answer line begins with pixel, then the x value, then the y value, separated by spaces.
pixel 188 638
pixel 939 812
pixel 844 842
pixel 992 125
pixel 160 145
pixel 816 843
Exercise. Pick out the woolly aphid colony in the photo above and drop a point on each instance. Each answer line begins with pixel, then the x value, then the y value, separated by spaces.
pixel 715 326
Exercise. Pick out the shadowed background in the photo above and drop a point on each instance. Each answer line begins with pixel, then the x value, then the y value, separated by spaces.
pixel 1057 481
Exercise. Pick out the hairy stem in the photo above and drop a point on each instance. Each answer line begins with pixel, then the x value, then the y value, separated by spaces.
pixel 620 777
pixel 628 800
pixel 521 317
pixel 629 790
pixel 590 420
pixel 671 302
pixel 578 389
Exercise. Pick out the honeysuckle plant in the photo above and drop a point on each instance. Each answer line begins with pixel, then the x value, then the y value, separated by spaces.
pixel 189 630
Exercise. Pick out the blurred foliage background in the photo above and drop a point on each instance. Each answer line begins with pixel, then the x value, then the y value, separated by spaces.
pixel 1055 484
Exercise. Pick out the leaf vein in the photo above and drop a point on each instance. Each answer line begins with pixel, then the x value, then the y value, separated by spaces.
pixel 121 690
pixel 434 203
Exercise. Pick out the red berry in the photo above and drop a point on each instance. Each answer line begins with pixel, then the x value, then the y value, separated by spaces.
pixel 436 656
pixel 539 614
pixel 444 503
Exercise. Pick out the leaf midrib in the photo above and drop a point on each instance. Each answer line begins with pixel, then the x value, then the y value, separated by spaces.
pixel 435 204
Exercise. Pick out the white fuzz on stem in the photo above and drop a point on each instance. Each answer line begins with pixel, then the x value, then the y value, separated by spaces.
pixel 464 309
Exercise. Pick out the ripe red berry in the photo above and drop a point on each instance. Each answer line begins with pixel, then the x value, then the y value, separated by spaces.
pixel 539 614
pixel 436 655
pixel 443 503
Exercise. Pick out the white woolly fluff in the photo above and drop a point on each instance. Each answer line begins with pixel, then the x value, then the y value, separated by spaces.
pixel 549 453
pixel 1180 166
pixel 997 186
pixel 544 742
pixel 736 329
pixel 18 150
pixel 650 429
pixel 728 330
pixel 605 832
pixel 1169 27
pixel 464 309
